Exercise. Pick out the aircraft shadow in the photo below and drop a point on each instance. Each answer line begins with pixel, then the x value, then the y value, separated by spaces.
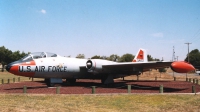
pixel 152 88
pixel 123 85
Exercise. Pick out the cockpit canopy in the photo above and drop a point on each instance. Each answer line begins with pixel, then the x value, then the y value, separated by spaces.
pixel 37 55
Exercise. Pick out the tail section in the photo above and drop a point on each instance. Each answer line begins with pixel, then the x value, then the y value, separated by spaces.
pixel 141 56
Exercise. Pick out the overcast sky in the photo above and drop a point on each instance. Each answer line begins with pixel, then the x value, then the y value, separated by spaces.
pixel 101 27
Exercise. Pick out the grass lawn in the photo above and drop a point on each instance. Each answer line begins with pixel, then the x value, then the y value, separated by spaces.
pixel 100 103
pixel 6 75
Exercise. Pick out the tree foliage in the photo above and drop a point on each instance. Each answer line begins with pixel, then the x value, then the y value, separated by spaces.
pixel 96 57
pixel 104 57
pixel 150 58
pixel 7 56
pixel 100 57
pixel 127 58
pixel 81 56
pixel 162 70
pixel 194 57
pixel 114 57
pixel 2 55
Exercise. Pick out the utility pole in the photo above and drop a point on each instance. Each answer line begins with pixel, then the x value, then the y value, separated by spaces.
pixel 177 58
pixel 188 50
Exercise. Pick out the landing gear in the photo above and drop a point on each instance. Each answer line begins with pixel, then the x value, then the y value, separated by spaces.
pixel 52 81
pixel 103 80
pixel 71 81
pixel 48 83
pixel 107 79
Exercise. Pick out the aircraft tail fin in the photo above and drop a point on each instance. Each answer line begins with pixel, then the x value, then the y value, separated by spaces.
pixel 141 56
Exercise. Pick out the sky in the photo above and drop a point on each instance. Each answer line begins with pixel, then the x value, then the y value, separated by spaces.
pixel 101 27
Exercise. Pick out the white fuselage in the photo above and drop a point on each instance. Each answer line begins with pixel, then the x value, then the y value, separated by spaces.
pixel 59 67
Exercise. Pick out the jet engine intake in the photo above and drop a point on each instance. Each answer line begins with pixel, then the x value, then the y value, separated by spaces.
pixel 95 65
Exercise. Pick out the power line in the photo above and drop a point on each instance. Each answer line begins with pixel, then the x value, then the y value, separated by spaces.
pixel 195 36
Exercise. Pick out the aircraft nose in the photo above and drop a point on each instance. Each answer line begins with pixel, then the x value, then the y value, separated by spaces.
pixel 8 67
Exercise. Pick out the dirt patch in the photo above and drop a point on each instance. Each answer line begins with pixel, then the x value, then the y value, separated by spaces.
pixel 85 87
pixel 148 82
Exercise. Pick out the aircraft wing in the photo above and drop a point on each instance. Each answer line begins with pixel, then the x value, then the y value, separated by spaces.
pixel 144 66
pixel 124 67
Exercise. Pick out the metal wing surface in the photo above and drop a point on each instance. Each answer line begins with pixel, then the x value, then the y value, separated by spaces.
pixel 129 66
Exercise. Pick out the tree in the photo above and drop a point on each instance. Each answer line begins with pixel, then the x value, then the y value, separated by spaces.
pixel 81 56
pixel 2 57
pixel 155 59
pixel 127 58
pixel 104 57
pixel 7 56
pixel 150 58
pixel 114 57
pixel 96 57
pixel 2 54
pixel 99 57
pixel 162 70
pixel 194 57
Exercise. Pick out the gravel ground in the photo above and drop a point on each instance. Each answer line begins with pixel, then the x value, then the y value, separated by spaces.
pixel 85 87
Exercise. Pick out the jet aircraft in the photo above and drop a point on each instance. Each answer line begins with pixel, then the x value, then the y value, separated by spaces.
pixel 53 68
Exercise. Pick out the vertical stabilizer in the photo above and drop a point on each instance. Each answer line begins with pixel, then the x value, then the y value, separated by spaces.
pixel 141 56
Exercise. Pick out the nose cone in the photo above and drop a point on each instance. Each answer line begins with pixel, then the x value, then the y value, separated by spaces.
pixel 11 65
pixel 8 67
pixel 182 67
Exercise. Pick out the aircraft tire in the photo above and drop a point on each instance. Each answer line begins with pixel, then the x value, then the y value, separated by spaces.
pixel 51 85
pixel 71 80
pixel 48 83
pixel 46 80
pixel 103 80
